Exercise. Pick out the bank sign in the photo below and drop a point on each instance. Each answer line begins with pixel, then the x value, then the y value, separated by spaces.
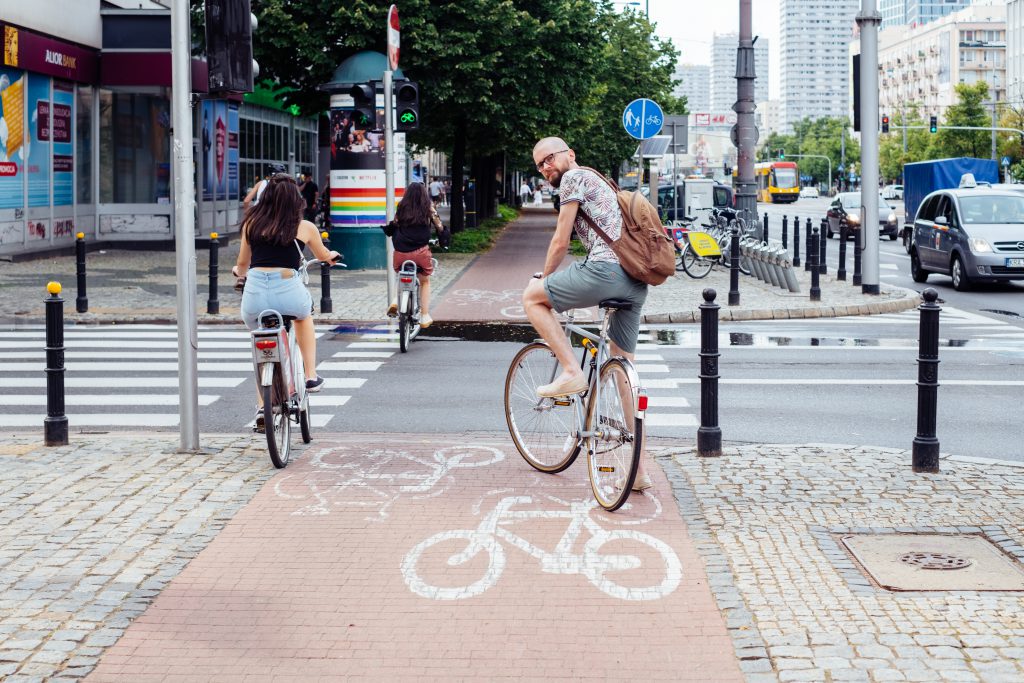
pixel 33 52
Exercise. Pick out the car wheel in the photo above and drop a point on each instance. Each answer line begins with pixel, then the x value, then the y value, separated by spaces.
pixel 918 273
pixel 892 237
pixel 907 241
pixel 961 282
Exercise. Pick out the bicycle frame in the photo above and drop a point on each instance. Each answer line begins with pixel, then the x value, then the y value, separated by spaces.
pixel 273 350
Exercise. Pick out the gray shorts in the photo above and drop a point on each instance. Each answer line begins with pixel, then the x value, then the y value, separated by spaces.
pixel 585 283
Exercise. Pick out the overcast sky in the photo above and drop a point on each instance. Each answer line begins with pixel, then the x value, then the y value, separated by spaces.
pixel 691 23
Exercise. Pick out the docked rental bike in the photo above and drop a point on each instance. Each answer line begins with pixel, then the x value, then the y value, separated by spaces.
pixel 281 379
pixel 607 419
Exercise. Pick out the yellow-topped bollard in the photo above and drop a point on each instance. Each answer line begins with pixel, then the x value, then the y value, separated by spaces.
pixel 213 235
pixel 81 296
pixel 55 426
pixel 53 288
pixel 324 235
pixel 212 302
pixel 80 235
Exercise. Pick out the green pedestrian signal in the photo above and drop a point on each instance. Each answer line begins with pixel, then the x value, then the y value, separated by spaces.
pixel 933 124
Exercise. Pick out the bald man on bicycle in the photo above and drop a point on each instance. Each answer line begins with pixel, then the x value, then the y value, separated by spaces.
pixel 585 283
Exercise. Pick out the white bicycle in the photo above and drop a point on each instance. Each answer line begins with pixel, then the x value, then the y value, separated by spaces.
pixel 599 561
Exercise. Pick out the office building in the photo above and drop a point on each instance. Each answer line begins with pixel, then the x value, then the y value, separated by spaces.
pixel 1015 52
pixel 917 12
pixel 695 85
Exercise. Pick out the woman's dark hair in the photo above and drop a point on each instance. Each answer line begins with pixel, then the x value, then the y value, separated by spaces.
pixel 275 218
pixel 415 207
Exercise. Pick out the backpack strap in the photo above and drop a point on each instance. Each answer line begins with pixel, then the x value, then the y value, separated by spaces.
pixel 583 214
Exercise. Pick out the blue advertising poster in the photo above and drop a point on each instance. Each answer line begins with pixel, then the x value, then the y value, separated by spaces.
pixel 215 145
pixel 12 138
pixel 63 143
pixel 233 150
pixel 39 147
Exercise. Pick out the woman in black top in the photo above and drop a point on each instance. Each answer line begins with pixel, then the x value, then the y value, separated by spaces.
pixel 273 235
pixel 415 219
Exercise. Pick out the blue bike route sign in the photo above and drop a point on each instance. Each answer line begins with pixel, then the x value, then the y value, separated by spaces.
pixel 643 118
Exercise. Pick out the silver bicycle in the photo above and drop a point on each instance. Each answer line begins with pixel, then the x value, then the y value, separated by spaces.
pixel 607 419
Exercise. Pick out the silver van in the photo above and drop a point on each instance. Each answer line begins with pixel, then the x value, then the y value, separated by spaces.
pixel 971 234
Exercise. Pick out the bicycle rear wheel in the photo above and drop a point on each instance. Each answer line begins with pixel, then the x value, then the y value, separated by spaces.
pixel 614 456
pixel 543 429
pixel 694 265
pixel 404 330
pixel 277 423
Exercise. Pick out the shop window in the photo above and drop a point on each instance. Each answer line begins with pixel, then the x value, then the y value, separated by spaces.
pixel 83 145
pixel 134 148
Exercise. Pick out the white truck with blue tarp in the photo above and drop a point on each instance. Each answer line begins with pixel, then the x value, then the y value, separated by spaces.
pixel 924 177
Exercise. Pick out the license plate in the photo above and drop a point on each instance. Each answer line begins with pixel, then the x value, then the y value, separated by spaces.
pixel 1015 263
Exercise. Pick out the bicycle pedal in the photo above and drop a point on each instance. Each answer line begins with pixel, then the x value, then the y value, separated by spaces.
pixel 561 402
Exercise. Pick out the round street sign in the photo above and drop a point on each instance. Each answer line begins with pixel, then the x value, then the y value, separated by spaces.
pixel 393 38
pixel 642 118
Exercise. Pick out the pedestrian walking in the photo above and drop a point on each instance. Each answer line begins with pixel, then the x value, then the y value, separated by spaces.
pixel 436 189
pixel 524 193
pixel 310 191
pixel 538 196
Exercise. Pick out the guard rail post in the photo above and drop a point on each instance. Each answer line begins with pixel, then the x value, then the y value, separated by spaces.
pixel 925 451
pixel 812 258
pixel 796 242
pixel 55 426
pixel 326 305
pixel 822 259
pixel 841 272
pixel 734 267
pixel 81 297
pixel 212 302
pixel 709 434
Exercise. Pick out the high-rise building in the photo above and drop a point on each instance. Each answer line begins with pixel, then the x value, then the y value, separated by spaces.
pixel 917 12
pixel 814 35
pixel 695 85
pixel 723 71
pixel 1015 52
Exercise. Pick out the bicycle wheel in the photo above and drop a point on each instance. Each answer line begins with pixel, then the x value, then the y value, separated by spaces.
pixel 305 424
pixel 694 265
pixel 543 429
pixel 278 425
pixel 404 329
pixel 613 457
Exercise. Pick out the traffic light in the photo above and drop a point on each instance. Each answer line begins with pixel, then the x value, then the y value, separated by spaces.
pixel 933 125
pixel 364 106
pixel 229 28
pixel 782 154
pixel 885 123
pixel 407 105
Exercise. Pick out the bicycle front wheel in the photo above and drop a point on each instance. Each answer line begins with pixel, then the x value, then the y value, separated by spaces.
pixel 694 265
pixel 543 429
pixel 276 422
pixel 613 455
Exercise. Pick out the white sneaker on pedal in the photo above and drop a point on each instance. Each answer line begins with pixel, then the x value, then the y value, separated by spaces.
pixel 574 385
pixel 426 321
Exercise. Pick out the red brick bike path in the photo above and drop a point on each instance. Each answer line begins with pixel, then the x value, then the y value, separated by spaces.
pixel 492 287
pixel 390 557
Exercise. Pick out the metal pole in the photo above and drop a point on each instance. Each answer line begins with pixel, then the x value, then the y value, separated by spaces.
pixel 734 267
pixel 857 235
pixel 841 272
pixel 746 194
pixel 55 426
pixel 675 173
pixel 764 232
pixel 81 298
pixel 796 241
pixel 709 434
pixel 326 305
pixel 785 232
pixel 868 20
pixel 994 124
pixel 823 258
pixel 185 235
pixel 807 246
pixel 212 302
pixel 903 121
pixel 925 451
pixel 812 258
pixel 389 176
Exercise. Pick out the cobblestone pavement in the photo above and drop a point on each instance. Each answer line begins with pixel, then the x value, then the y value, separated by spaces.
pixel 140 286
pixel 90 533
pixel 767 521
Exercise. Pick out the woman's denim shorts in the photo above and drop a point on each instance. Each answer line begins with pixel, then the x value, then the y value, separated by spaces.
pixel 267 289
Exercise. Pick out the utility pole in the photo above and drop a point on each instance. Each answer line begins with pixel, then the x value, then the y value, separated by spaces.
pixel 868 21
pixel 994 124
pixel 745 136
pixel 903 120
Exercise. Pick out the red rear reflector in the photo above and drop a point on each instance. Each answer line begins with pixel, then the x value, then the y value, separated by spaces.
pixel 406 280
pixel 266 344
pixel 641 402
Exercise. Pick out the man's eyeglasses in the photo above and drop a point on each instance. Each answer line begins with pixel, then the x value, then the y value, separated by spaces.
pixel 549 159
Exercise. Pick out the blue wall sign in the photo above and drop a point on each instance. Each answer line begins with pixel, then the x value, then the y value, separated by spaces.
pixel 643 118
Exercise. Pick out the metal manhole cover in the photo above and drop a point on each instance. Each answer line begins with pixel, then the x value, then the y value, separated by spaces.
pixel 936 560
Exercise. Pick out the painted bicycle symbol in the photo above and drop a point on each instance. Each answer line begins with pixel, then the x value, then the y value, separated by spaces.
pixel 350 477
pixel 601 560
pixel 653 120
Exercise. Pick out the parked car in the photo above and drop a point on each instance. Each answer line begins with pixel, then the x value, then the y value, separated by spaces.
pixel 892 192
pixel 721 196
pixel 848 204
pixel 972 234
pixel 809 192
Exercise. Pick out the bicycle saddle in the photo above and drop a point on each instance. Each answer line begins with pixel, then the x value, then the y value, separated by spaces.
pixel 616 305
pixel 728 213
pixel 270 321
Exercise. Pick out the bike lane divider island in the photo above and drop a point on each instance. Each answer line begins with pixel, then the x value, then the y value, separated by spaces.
pixel 389 556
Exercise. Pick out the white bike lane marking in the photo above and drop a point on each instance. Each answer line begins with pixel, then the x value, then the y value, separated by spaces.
pixel 509 299
pixel 599 560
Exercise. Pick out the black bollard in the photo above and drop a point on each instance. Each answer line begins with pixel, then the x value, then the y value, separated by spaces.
pixel 55 426
pixel 812 258
pixel 841 273
pixel 822 259
pixel 926 446
pixel 212 302
pixel 785 232
pixel 326 305
pixel 856 257
pixel 734 267
pixel 81 298
pixel 709 434
pixel 764 233
pixel 796 242
pixel 807 245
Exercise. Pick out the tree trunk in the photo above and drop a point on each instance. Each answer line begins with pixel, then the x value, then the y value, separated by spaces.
pixel 458 217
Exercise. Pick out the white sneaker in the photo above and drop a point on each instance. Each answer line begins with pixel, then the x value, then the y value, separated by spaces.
pixel 567 387
pixel 426 321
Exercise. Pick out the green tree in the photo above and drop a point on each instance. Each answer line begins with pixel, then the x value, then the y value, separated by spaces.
pixel 891 155
pixel 968 111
